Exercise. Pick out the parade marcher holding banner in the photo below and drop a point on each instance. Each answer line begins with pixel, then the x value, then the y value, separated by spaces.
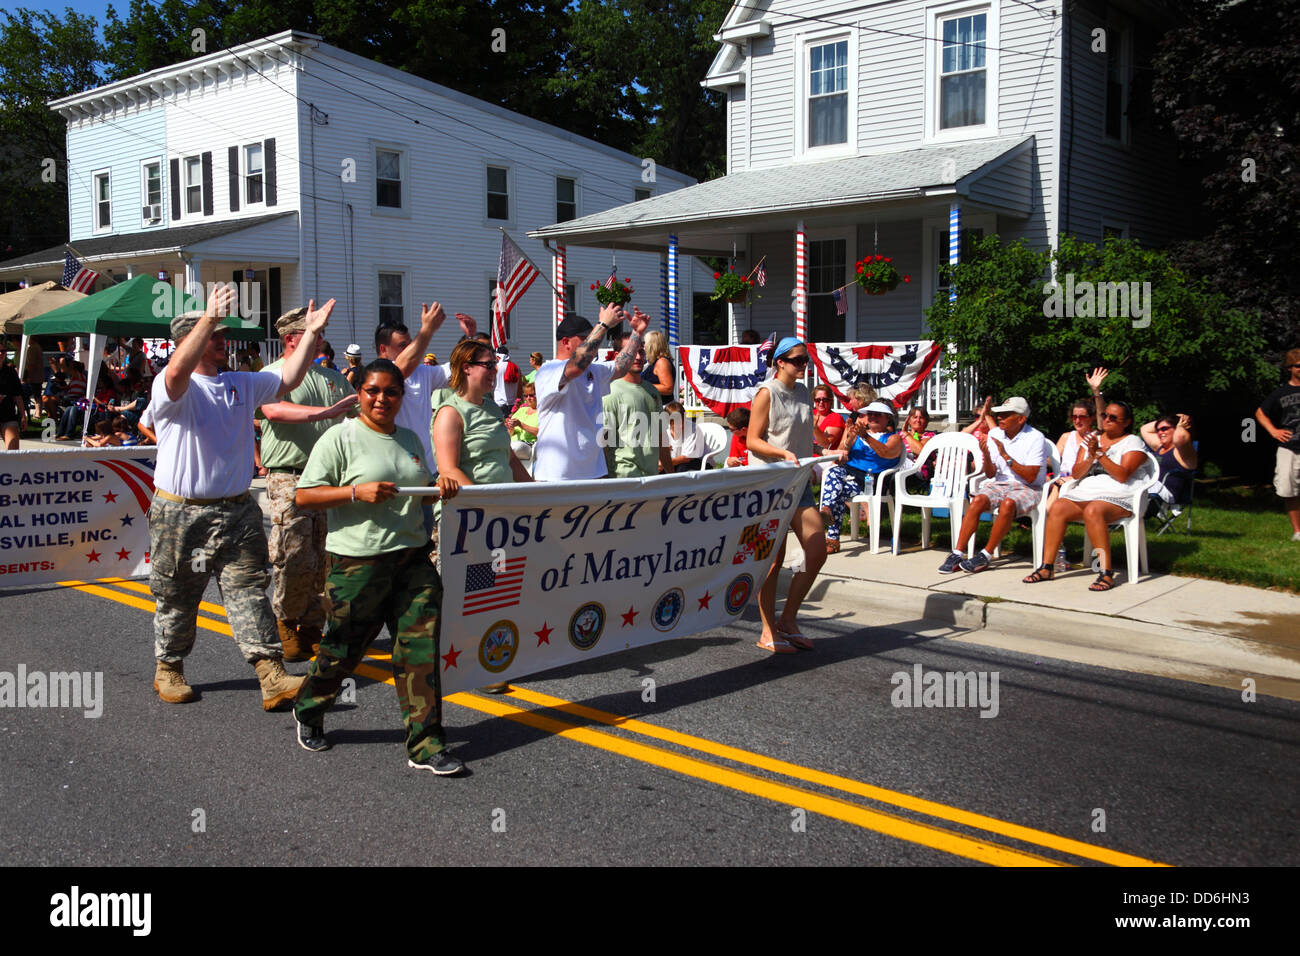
pixel 781 429
pixel 297 543
pixel 203 520
pixel 570 393
pixel 635 443
pixel 13 407
pixel 380 571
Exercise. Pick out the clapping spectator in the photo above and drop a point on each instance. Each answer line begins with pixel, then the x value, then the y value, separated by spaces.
pixel 687 442
pixel 873 445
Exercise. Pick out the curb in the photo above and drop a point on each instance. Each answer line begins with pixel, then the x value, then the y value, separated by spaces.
pixel 1203 657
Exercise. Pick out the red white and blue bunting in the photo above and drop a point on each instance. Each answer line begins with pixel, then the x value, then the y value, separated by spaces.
pixel 723 377
pixel 896 372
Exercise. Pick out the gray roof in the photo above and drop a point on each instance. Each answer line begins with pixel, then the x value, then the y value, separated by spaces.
pixel 134 243
pixel 803 186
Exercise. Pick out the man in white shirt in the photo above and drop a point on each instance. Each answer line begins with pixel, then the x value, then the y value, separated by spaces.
pixel 570 395
pixel 508 379
pixel 1015 456
pixel 203 520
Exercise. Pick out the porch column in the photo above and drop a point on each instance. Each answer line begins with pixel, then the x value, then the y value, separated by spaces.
pixel 559 268
pixel 672 293
pixel 130 271
pixel 194 280
pixel 954 257
pixel 800 283
pixel 663 286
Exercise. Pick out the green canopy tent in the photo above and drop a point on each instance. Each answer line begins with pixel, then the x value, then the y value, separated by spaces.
pixel 143 306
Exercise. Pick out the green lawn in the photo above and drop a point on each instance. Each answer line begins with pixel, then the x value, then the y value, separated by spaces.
pixel 1239 535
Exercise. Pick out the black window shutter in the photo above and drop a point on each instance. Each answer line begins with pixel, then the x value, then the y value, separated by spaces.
pixel 268 163
pixel 175 167
pixel 233 153
pixel 273 292
pixel 207 184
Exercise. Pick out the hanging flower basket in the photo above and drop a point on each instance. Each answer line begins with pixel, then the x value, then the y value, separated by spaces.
pixel 619 293
pixel 727 285
pixel 877 275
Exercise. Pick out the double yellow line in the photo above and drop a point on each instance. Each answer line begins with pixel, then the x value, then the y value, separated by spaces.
pixel 629 742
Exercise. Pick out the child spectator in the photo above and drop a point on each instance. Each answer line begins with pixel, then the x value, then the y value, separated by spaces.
pixel 738 422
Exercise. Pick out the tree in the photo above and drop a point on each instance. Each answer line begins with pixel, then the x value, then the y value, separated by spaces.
pixel 1228 85
pixel 1179 346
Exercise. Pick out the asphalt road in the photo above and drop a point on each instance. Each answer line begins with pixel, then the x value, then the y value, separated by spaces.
pixel 739 758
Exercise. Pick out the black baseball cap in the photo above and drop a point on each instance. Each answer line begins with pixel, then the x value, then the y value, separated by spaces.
pixel 573 325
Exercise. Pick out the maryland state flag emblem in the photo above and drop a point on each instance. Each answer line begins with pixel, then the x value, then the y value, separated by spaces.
pixel 756 541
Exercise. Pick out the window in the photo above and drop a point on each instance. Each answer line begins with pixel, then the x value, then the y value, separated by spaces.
pixel 498 193
pixel 828 94
pixel 392 310
pixel 963 71
pixel 639 194
pixel 151 191
pixel 570 301
pixel 566 199
pixel 194 185
pixel 103 202
pixel 828 268
pixel 1119 44
pixel 253 173
pixel 1110 230
pixel 492 308
pixel 388 178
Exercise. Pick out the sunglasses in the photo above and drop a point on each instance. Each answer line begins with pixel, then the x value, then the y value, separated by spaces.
pixel 1165 428
pixel 1003 414
pixel 1108 417
pixel 391 392
pixel 799 361
pixel 823 400
pixel 483 364
pixel 1082 418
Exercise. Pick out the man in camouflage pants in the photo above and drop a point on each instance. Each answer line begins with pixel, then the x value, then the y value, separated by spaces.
pixel 297 545
pixel 203 520
pixel 362 593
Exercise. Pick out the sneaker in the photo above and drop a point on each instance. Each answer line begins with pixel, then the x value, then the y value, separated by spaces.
pixel 442 763
pixel 951 563
pixel 311 738
pixel 1296 536
pixel 978 563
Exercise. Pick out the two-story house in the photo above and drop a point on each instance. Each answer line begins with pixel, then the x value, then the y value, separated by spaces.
pixel 894 127
pixel 309 172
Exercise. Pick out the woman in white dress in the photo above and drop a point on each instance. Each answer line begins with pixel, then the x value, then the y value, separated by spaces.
pixel 1108 467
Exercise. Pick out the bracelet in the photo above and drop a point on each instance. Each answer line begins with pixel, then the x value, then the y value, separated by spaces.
pixel 354 492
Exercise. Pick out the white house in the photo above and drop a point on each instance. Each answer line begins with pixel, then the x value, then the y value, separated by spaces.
pixel 893 126
pixel 316 173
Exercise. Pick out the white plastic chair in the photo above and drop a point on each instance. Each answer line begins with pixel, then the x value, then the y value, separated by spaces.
pixel 879 495
pixel 716 443
pixel 1135 532
pixel 1037 517
pixel 951 453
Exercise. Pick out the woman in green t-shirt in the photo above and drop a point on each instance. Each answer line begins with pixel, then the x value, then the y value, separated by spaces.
pixel 380 569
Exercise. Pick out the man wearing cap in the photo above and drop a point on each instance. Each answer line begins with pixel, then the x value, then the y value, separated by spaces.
pixel 297 543
pixel 570 393
pixel 1015 456
pixel 203 520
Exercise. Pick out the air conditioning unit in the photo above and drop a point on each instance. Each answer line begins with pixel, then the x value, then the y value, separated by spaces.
pixel 153 213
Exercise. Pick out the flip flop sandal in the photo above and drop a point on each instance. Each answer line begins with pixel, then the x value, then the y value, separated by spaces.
pixel 777 647
pixel 796 639
pixel 1105 581
pixel 1044 573
pixel 832 545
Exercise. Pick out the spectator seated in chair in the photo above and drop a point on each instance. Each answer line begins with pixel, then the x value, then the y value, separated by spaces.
pixel 873 444
pixel 686 443
pixel 1171 441
pixel 738 422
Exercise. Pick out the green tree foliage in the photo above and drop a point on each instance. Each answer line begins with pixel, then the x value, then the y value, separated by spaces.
pixel 1199 352
pixel 1228 85
pixel 42 57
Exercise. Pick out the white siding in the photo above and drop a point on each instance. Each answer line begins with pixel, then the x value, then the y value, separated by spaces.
pixel 117 142
pixel 771 99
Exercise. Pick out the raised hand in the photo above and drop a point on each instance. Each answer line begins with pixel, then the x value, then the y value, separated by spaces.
pixel 431 317
pixel 611 315
pixel 220 299
pixel 468 326
pixel 317 319
pixel 639 321
pixel 1096 378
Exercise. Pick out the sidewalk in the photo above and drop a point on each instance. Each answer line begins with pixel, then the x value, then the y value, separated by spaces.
pixel 1168 626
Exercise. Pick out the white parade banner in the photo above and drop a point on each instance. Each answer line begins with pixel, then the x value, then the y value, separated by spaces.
pixel 539 575
pixel 74 514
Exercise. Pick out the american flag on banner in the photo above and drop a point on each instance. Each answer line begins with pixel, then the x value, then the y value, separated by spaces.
pixel 841 306
pixel 76 276
pixel 515 273
pixel 489 588
pixel 768 345
pixel 760 275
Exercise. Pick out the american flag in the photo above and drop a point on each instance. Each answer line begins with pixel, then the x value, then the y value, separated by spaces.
pixel 515 273
pixel 609 283
pixel 76 276
pixel 490 590
pixel 760 275
pixel 768 345
pixel 841 304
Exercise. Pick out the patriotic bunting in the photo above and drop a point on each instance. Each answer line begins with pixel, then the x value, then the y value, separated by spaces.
pixel 896 372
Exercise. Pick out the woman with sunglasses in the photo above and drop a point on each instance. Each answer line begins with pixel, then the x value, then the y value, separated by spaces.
pixel 872 444
pixel 1112 462
pixel 1170 440
pixel 380 571
pixel 830 423
pixel 781 429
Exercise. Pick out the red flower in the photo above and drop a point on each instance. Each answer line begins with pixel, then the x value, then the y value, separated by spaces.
pixel 907 278
pixel 887 259
pixel 868 275
pixel 627 280
pixel 593 286
pixel 859 268
pixel 717 275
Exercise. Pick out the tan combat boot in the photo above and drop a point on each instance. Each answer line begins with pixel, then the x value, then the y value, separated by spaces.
pixel 278 687
pixel 169 682
pixel 295 649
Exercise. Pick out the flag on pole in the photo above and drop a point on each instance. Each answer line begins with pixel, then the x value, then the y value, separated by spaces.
pixel 760 275
pixel 841 306
pixel 768 345
pixel 609 283
pixel 515 273
pixel 76 276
